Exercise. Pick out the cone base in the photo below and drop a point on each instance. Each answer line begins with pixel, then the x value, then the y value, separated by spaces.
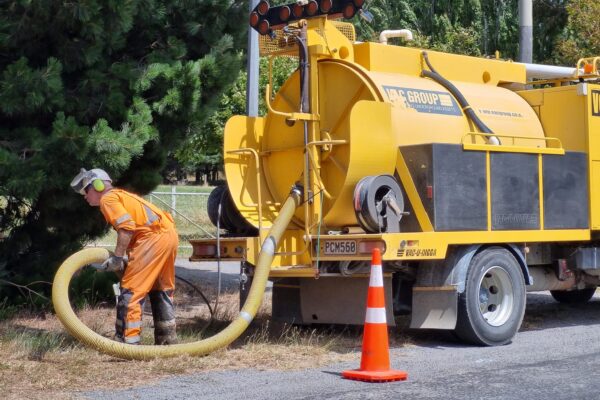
pixel 375 376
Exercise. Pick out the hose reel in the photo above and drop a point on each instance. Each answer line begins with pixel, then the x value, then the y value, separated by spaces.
pixel 379 204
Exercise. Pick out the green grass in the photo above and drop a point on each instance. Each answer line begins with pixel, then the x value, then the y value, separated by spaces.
pixel 39 343
pixel 7 311
pixel 185 189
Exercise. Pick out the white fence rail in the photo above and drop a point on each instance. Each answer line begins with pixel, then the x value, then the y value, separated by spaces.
pixel 188 208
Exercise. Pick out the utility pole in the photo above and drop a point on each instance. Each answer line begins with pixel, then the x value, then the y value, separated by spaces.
pixel 252 69
pixel 526 31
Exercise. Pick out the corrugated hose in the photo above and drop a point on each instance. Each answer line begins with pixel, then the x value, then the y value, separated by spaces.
pixel 65 313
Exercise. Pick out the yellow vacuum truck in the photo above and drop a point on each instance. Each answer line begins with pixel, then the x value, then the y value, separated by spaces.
pixel 478 179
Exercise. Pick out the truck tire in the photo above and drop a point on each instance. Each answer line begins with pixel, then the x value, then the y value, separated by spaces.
pixel 212 206
pixel 491 308
pixel 231 220
pixel 573 296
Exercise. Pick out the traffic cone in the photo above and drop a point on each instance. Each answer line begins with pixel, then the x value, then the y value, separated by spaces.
pixel 375 360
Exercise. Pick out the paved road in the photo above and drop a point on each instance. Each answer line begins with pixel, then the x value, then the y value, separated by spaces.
pixel 207 273
pixel 555 356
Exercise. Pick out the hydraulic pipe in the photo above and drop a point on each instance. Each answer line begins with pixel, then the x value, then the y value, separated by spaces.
pixel 64 311
pixel 252 67
pixel 304 68
pixel 464 104
pixel 539 71
pixel 405 34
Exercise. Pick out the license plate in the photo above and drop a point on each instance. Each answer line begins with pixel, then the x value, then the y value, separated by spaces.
pixel 339 247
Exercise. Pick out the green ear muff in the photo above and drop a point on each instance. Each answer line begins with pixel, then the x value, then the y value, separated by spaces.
pixel 98 185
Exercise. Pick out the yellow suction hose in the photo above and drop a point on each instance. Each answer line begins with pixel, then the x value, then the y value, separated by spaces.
pixel 64 311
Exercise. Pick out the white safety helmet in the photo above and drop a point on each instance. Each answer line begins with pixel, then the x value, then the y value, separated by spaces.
pixel 85 178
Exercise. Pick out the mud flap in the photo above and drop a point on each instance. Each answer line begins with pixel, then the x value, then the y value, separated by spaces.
pixel 338 300
pixel 434 307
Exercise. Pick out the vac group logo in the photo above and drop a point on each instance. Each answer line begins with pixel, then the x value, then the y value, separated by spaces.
pixel 424 101
pixel 596 103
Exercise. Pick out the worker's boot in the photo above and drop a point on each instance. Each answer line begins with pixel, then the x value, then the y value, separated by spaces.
pixel 126 330
pixel 164 317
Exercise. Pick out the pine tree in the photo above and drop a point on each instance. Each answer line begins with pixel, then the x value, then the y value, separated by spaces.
pixel 113 84
pixel 204 148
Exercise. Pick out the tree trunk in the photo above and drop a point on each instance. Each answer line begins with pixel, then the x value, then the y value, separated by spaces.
pixel 198 180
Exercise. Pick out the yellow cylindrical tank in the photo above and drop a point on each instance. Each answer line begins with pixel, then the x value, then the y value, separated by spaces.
pixel 373 112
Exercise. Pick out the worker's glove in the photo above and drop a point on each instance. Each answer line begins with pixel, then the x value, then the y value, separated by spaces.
pixel 114 264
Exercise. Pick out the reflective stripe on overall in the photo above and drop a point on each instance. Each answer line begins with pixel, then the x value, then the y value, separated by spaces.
pixel 151 266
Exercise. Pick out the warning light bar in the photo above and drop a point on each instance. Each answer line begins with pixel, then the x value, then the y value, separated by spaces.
pixel 265 18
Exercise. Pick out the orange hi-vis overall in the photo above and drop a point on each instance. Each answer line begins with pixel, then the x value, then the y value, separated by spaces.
pixel 151 267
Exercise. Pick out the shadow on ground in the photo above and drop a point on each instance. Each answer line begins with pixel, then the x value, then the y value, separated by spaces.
pixel 542 312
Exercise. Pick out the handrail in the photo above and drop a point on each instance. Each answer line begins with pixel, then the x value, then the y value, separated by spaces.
pixel 318 177
pixel 589 66
pixel 548 140
pixel 247 150
pixel 255 154
pixel 331 142
pixel 293 116
pixel 294 253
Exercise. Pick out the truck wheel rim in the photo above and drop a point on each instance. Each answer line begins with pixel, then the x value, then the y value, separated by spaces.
pixel 496 297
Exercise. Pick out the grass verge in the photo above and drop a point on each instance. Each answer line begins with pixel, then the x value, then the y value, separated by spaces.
pixel 39 360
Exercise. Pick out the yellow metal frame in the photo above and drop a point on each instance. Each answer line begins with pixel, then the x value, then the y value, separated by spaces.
pixel 295 116
pixel 419 246
pixel 325 42
pixel 417 204
pixel 314 164
pixel 582 63
pixel 580 73
pixel 258 205
pixel 554 145
pixel 413 246
pixel 436 243
pixel 413 194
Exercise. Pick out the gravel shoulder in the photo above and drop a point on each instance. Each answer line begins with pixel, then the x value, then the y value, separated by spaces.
pixel 555 355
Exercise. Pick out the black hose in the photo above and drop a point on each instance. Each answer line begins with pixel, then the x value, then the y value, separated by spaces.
pixel 304 97
pixel 303 66
pixel 426 58
pixel 464 104
pixel 197 289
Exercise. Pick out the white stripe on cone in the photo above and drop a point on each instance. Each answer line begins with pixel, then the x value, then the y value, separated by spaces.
pixel 376 279
pixel 375 316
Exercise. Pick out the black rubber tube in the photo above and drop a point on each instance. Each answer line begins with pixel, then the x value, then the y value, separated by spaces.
pixel 464 104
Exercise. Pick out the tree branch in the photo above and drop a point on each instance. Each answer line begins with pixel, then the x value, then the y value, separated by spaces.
pixel 6 143
pixel 26 287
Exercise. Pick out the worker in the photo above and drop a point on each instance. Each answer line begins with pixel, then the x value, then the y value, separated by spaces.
pixel 146 237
